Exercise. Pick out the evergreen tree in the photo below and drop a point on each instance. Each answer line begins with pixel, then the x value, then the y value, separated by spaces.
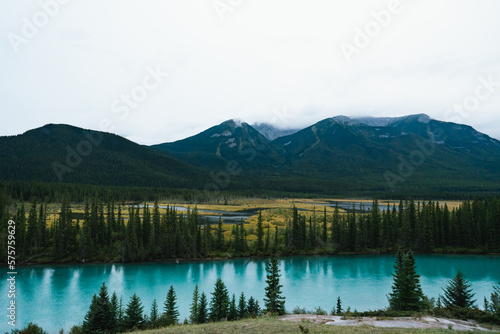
pixel 375 225
pixel 115 313
pixel 268 238
pixel 233 312
pixel 236 235
pixel 302 232
pixel 253 307
pixel 260 233
pixel 120 321
pixel 273 301
pixel 220 236
pixel 202 310
pixel 89 322
pixel 324 233
pixel 336 231
pixel 146 226
pixel 295 227
pixel 86 244
pixel 219 303
pixel 207 238
pixel 276 239
pixel 20 220
pixel 134 313
pixel 154 315
pixel 339 306
pixel 406 291
pixel 32 232
pixel 458 292
pixel 171 313
pixel 194 309
pixel 42 225
pixel 242 307
pixel 495 300
pixel 99 317
pixel 154 239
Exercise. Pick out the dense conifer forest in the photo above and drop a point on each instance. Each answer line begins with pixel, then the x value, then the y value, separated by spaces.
pixel 110 230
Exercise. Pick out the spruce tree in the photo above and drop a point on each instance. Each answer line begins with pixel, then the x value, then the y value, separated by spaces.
pixel 114 309
pixel 171 313
pixel 242 307
pixel 32 232
pixel 194 309
pixel 336 235
pixel 339 306
pixel 220 236
pixel 260 233
pixel 146 226
pixel 253 307
pixel 89 321
pixel 495 300
pixel 267 246
pixel 154 315
pixel 134 313
pixel 324 232
pixel 416 297
pixel 120 316
pixel 458 292
pixel 202 310
pixel 406 293
pixel 273 301
pixel 99 317
pixel 86 245
pixel 219 303
pixel 395 298
pixel 233 312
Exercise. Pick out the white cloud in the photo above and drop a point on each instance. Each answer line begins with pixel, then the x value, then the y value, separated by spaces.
pixel 265 55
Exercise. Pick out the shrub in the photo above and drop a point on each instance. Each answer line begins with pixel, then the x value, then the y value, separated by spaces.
pixel 320 311
pixel 298 310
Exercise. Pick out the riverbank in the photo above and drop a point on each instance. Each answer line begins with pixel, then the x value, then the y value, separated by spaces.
pixel 304 324
pixel 425 322
pixel 43 258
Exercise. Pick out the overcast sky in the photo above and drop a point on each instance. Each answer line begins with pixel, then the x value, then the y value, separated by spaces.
pixel 156 71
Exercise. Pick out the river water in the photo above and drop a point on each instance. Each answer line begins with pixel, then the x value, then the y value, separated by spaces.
pixel 58 296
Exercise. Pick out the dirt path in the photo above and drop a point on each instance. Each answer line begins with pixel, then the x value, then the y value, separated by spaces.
pixel 402 322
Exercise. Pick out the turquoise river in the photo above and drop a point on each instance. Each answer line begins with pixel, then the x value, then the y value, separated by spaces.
pixel 58 296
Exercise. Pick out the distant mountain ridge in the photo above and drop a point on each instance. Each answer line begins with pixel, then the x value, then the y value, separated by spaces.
pixel 231 140
pixel 65 153
pixel 412 154
pixel 365 152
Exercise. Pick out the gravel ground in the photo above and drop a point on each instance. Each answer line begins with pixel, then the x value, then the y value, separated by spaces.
pixel 402 322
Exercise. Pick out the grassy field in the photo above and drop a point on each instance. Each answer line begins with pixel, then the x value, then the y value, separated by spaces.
pixel 273 325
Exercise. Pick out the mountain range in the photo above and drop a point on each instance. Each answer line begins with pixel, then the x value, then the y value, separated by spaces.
pixel 412 154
